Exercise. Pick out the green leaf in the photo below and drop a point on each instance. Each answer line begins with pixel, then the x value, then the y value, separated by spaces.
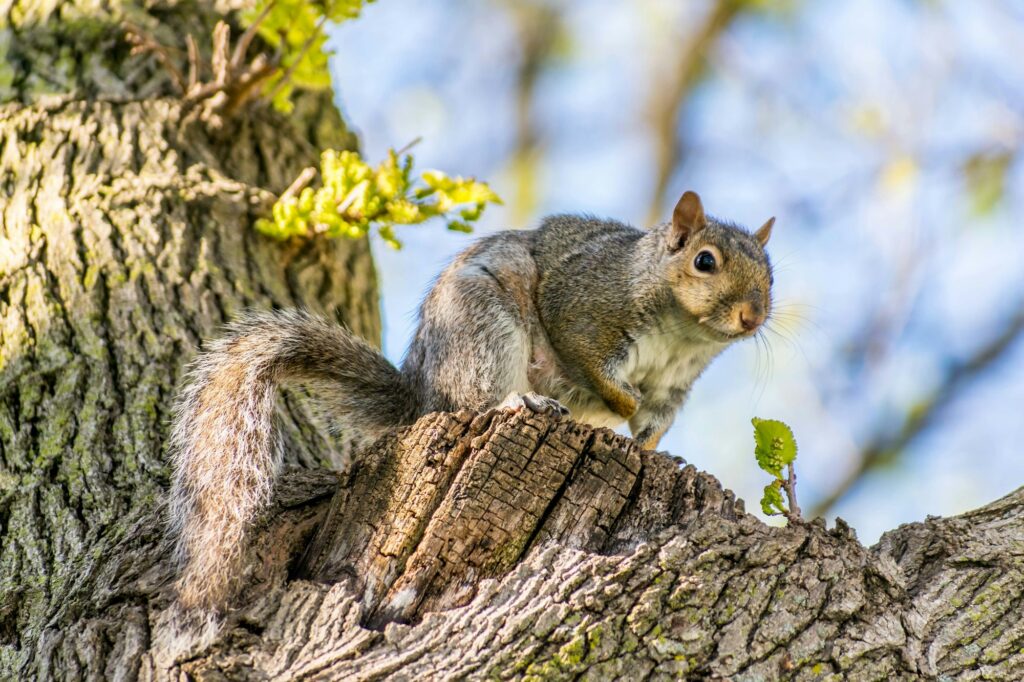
pixel 771 502
pixel 774 445
pixel 459 226
pixel 471 192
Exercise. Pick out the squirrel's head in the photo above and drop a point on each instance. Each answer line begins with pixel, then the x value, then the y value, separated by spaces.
pixel 719 273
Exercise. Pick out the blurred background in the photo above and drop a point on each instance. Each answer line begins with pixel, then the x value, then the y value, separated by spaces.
pixel 884 135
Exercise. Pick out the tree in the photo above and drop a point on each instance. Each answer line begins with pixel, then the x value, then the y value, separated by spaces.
pixel 512 546
pixel 127 237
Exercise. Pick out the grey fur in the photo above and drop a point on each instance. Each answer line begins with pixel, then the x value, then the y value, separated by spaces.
pixel 224 448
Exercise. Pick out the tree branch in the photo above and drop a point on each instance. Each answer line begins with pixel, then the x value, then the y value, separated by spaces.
pixel 668 99
pixel 506 545
pixel 242 46
pixel 789 485
pixel 538 28
pixel 886 446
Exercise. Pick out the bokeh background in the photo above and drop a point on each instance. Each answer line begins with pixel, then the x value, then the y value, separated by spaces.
pixel 885 135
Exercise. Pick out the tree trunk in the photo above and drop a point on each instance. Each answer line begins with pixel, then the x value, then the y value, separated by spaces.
pixel 125 238
pixel 467 546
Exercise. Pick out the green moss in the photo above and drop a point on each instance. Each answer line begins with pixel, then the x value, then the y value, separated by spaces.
pixel 508 553
pixel 6 83
pixel 56 431
pixel 8 481
pixel 572 652
pixel 571 657
pixel 522 665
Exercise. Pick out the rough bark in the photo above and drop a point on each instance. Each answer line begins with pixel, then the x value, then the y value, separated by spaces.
pixel 125 238
pixel 507 546
pixel 467 546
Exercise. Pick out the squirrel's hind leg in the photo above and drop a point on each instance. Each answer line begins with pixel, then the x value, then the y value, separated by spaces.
pixel 479 344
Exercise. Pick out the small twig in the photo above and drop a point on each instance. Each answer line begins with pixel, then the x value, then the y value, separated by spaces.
pixel 789 485
pixel 302 53
pixel 219 60
pixel 255 75
pixel 233 81
pixel 242 46
pixel 305 177
pixel 415 141
pixel 205 91
pixel 353 194
pixel 193 62
pixel 142 42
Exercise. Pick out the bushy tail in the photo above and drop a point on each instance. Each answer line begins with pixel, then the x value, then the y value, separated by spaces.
pixel 224 448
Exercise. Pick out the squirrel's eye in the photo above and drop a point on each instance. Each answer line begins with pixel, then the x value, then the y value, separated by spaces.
pixel 704 262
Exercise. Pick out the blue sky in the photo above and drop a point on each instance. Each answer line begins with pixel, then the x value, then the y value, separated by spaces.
pixel 852 121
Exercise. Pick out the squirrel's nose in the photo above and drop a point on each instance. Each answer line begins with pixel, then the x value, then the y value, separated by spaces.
pixel 751 316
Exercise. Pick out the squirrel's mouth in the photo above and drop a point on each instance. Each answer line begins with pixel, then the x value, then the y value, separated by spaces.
pixel 730 326
pixel 722 336
pixel 718 334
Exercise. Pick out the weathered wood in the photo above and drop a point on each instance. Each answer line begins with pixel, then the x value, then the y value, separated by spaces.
pixel 508 546
pixel 466 500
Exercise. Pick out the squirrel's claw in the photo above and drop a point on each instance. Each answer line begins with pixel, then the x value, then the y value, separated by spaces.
pixel 535 402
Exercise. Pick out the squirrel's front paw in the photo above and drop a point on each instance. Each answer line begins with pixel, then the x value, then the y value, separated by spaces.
pixel 536 403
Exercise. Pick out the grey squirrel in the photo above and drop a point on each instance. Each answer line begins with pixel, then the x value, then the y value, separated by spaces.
pixel 592 317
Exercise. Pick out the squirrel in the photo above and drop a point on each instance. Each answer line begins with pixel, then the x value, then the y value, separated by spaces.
pixel 591 317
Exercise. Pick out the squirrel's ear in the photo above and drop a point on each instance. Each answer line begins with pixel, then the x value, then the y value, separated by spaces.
pixel 764 233
pixel 687 219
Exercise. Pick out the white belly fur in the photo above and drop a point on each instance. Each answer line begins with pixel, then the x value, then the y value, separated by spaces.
pixel 659 364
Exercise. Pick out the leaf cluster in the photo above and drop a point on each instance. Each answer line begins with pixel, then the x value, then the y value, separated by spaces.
pixel 294 28
pixel 355 197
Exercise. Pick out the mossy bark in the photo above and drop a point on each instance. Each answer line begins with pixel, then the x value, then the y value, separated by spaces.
pixel 125 239
pixel 466 546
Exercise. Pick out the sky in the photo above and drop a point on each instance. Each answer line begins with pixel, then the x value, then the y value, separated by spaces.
pixel 884 137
